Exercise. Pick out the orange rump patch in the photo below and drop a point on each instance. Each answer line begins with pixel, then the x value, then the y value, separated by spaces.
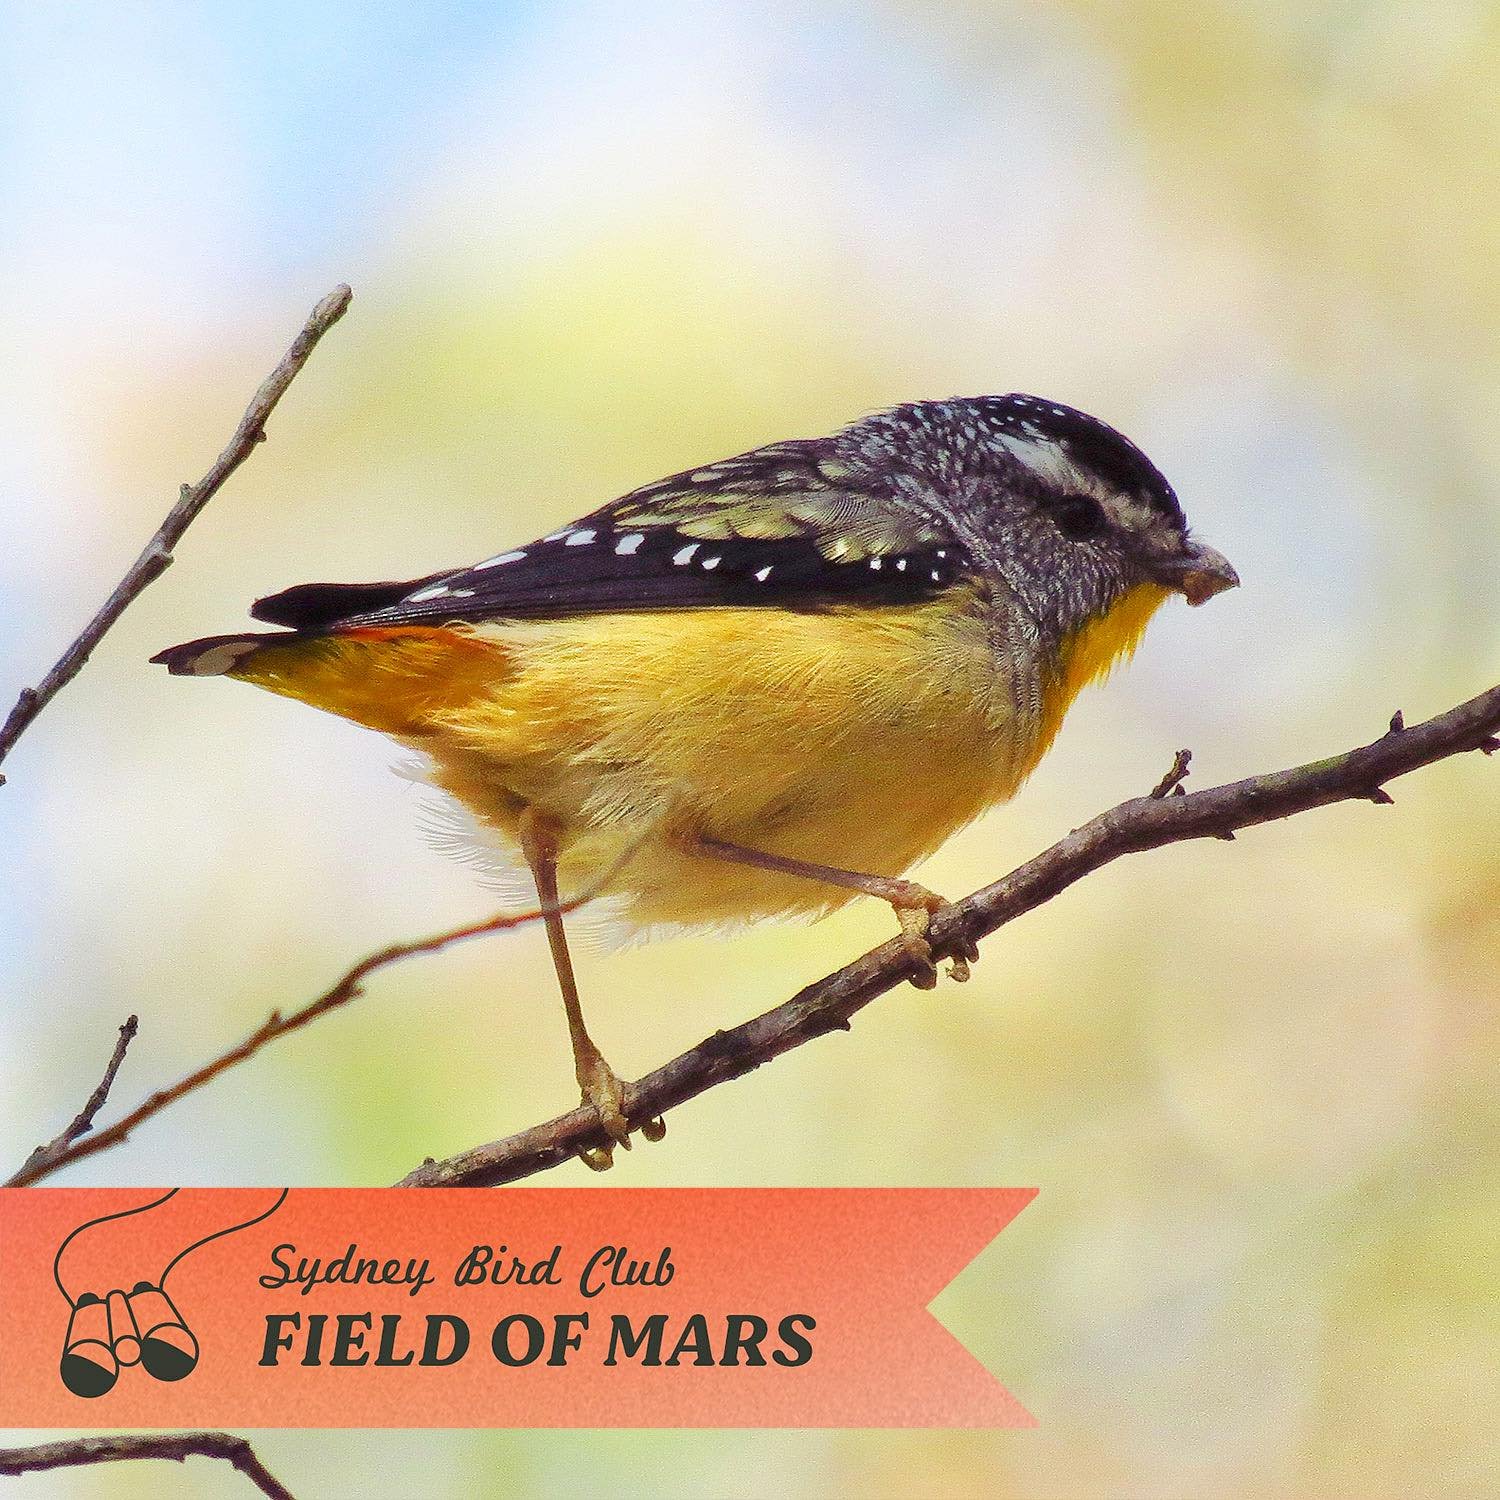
pixel 389 678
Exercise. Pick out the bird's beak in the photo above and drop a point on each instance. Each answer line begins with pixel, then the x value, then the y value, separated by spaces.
pixel 1198 572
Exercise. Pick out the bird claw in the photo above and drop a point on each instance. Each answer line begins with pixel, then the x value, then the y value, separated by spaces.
pixel 965 954
pixel 914 921
pixel 604 1092
pixel 915 907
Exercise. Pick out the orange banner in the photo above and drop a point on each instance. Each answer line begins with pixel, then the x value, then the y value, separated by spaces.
pixel 584 1307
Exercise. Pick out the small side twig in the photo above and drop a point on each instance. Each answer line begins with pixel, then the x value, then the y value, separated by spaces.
pixel 156 558
pixel 40 1160
pixel 178 1446
pixel 1172 782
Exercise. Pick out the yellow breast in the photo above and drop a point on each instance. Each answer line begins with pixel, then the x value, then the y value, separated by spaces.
pixel 860 738
pixel 1091 651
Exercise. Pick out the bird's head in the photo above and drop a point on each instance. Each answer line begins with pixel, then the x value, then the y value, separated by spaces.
pixel 1058 509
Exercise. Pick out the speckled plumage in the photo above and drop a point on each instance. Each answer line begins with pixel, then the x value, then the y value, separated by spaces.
pixel 772 682
pixel 838 649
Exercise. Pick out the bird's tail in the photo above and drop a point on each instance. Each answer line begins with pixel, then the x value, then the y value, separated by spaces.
pixel 215 655
pixel 392 679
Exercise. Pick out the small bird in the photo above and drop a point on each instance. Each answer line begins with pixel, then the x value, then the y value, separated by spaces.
pixel 764 686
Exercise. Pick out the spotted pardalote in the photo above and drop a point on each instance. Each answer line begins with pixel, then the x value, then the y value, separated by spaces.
pixel 764 685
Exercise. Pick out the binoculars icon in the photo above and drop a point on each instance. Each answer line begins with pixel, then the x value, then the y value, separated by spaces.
pixel 110 1333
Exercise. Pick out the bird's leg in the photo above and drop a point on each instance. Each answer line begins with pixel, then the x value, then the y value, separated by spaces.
pixel 600 1086
pixel 913 904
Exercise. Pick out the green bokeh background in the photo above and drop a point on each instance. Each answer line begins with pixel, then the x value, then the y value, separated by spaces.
pixel 592 244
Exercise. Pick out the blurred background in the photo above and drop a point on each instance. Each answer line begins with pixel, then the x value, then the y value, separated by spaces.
pixel 592 244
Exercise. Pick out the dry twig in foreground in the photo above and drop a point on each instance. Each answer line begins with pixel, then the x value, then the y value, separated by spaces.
pixel 178 1446
pixel 157 556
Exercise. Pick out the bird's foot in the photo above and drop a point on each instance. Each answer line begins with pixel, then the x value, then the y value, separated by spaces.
pixel 915 906
pixel 604 1092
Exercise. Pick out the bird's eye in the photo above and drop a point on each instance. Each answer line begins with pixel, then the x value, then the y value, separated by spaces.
pixel 1078 516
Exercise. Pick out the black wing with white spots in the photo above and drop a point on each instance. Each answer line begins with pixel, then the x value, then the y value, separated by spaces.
pixel 784 527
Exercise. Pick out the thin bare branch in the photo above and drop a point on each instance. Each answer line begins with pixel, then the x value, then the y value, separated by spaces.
pixel 177 1446
pixel 348 987
pixel 156 558
pixel 40 1162
pixel 1144 823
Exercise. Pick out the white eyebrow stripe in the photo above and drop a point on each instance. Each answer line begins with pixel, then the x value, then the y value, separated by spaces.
pixel 580 539
pixel 627 544
pixel 423 595
pixel 497 562
pixel 685 555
